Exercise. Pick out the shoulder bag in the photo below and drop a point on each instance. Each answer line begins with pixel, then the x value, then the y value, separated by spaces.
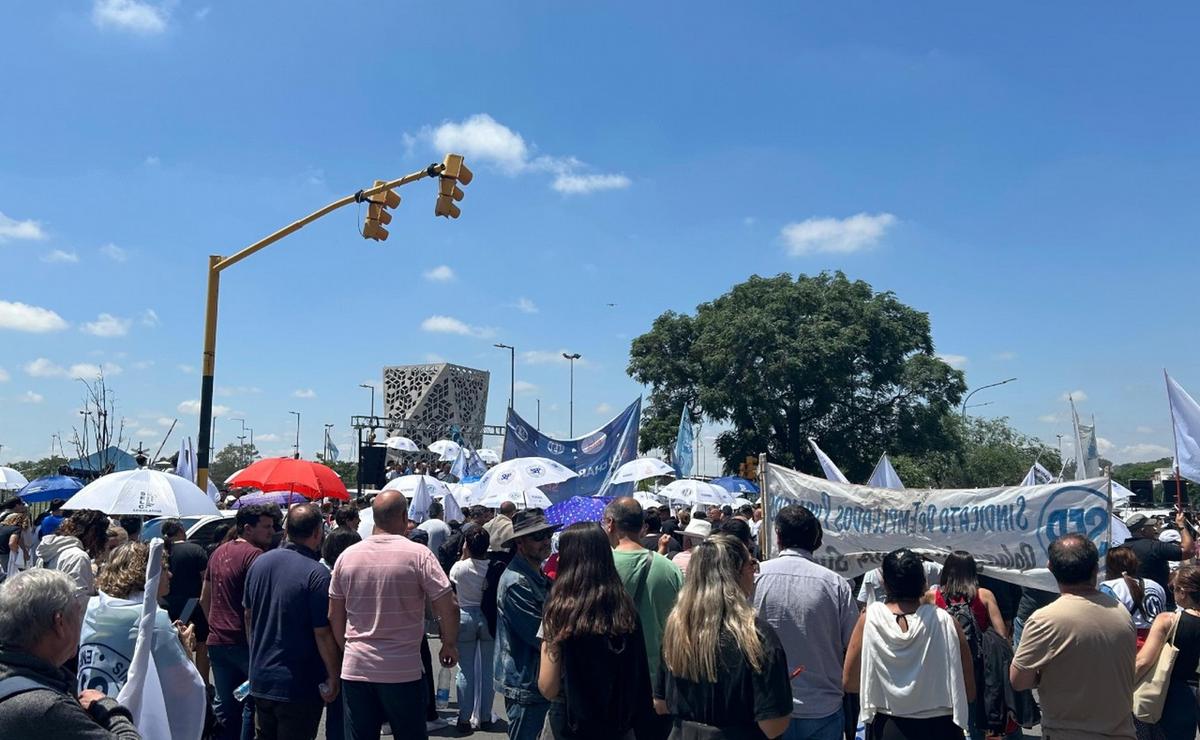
pixel 1150 693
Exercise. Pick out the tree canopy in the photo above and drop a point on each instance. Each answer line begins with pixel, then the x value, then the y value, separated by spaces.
pixel 781 359
pixel 982 453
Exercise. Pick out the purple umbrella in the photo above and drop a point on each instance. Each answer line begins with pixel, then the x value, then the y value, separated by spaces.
pixel 279 498
pixel 577 509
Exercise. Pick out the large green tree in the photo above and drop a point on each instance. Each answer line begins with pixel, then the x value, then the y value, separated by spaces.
pixel 38 468
pixel 983 453
pixel 781 359
pixel 230 459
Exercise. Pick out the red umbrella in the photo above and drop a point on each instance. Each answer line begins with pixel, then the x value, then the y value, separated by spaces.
pixel 286 474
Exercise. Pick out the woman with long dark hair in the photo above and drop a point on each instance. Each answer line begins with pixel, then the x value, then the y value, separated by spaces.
pixel 1182 629
pixel 959 584
pixel 724 673
pixel 593 667
pixel 1142 597
pixel 79 541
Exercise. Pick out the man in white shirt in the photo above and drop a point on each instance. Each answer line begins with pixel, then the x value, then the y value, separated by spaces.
pixel 437 530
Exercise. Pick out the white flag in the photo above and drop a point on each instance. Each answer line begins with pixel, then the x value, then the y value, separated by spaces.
pixel 418 508
pixel 884 475
pixel 1037 476
pixel 453 512
pixel 185 464
pixel 831 471
pixel 1087 457
pixel 1185 418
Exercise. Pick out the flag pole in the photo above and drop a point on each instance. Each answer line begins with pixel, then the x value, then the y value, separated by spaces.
pixel 1175 440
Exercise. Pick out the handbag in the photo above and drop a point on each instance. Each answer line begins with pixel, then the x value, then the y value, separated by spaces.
pixel 1150 693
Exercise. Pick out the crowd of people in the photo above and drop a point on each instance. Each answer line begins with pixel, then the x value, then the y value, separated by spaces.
pixel 649 624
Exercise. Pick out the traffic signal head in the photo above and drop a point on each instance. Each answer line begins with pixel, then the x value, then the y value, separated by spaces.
pixel 377 213
pixel 454 173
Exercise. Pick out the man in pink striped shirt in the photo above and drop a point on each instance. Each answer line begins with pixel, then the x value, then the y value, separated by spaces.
pixel 377 598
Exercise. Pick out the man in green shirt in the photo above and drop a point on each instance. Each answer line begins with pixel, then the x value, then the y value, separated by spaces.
pixel 653 581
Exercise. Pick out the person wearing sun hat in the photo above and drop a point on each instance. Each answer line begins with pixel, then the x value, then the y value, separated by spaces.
pixel 697 531
pixel 519 600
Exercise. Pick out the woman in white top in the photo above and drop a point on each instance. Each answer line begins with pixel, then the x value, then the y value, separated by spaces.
pixel 909 661
pixel 469 575
pixel 1141 596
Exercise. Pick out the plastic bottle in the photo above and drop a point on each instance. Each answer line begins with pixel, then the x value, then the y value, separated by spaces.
pixel 445 677
pixel 241 692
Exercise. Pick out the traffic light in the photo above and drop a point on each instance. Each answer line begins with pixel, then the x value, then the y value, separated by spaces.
pixel 454 173
pixel 377 213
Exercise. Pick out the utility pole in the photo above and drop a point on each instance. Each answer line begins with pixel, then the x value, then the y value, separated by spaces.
pixel 372 389
pixel 571 359
pixel 989 385
pixel 512 371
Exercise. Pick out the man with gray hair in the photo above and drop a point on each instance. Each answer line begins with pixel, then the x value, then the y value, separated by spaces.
pixel 40 621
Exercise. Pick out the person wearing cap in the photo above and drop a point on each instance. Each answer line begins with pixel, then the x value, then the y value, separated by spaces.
pixel 1153 554
pixel 696 532
pixel 520 597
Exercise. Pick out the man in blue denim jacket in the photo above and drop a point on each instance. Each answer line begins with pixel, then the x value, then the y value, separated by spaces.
pixel 519 600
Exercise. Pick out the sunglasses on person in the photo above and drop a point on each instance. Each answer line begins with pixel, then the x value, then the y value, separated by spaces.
pixel 542 536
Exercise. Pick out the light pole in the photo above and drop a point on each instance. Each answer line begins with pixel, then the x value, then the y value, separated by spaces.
pixel 982 387
pixel 327 428
pixel 242 439
pixel 512 371
pixel 571 359
pixel 297 448
pixel 372 389
pixel 251 430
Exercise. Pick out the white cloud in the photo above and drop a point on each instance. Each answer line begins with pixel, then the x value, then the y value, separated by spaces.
pixel 31 397
pixel 187 369
pixel 1144 430
pixel 268 437
pixel 1078 396
pixel 150 318
pixel 481 138
pixel 1048 418
pixel 304 393
pixel 1005 356
pixel 10 228
pixel 193 408
pixel 604 408
pixel 432 358
pixel 130 15
pixel 524 305
pixel 147 432
pixel 60 257
pixel 164 421
pixel 451 325
pixel 1103 446
pixel 33 319
pixel 106 325
pixel 114 253
pixel 440 274
pixel 543 357
pixel 43 368
pixel 958 362
pixel 226 391
pixel 1144 451
pixel 569 184
pixel 151 161
pixel 524 386
pixel 836 236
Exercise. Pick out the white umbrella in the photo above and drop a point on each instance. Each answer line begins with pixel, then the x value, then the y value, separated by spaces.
pixel 232 476
pixel 646 499
pixel 446 449
pixel 11 480
pixel 408 485
pixel 464 493
pixel 696 492
pixel 737 502
pixel 143 492
pixel 523 499
pixel 488 456
pixel 404 444
pixel 641 469
pixel 512 477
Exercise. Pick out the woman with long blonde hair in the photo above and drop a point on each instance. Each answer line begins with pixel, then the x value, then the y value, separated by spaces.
pixel 724 673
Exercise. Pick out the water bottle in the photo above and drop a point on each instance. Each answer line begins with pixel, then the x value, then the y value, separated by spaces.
pixel 241 692
pixel 445 677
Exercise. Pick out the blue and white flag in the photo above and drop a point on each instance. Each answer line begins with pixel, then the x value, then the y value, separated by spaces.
pixel 329 445
pixel 1185 420
pixel 1087 455
pixel 684 446
pixel 595 456
pixel 832 472
pixel 884 475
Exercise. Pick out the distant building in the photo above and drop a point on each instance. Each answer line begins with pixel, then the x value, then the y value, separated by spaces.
pixel 423 402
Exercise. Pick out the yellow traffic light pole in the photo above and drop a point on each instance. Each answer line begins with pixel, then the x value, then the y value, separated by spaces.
pixel 217 263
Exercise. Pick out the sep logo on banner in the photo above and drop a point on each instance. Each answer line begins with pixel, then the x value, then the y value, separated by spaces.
pixel 594 456
pixel 1007 529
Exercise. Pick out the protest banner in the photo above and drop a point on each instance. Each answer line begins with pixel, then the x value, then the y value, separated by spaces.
pixel 1006 528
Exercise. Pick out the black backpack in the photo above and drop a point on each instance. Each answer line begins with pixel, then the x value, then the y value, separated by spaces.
pixel 497 562
pixel 961 611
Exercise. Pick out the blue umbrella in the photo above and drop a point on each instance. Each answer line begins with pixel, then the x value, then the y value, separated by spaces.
pixel 279 498
pixel 49 488
pixel 577 509
pixel 735 484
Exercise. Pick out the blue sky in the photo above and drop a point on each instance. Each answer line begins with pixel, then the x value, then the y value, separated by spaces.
pixel 1025 174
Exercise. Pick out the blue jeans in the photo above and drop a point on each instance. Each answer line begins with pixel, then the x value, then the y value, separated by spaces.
pixel 473 633
pixel 231 668
pixel 1018 628
pixel 525 721
pixel 823 728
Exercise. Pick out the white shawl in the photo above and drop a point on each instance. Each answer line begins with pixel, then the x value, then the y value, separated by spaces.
pixel 916 674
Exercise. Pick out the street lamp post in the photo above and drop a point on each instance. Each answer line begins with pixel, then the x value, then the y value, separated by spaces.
pixel 242 439
pixel 571 359
pixel 327 428
pixel 512 371
pixel 372 389
pixel 980 388
pixel 297 448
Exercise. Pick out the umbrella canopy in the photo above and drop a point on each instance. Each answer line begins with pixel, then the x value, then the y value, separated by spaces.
pixel 577 509
pixel 404 444
pixel 279 498
pixel 232 476
pixel 463 493
pixel 742 502
pixel 50 487
pixel 447 450
pixel 408 484
pixel 11 480
pixel 647 499
pixel 696 492
pixel 641 469
pixel 735 484
pixel 143 492
pixel 520 474
pixel 286 474
pixel 523 499
pixel 489 457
